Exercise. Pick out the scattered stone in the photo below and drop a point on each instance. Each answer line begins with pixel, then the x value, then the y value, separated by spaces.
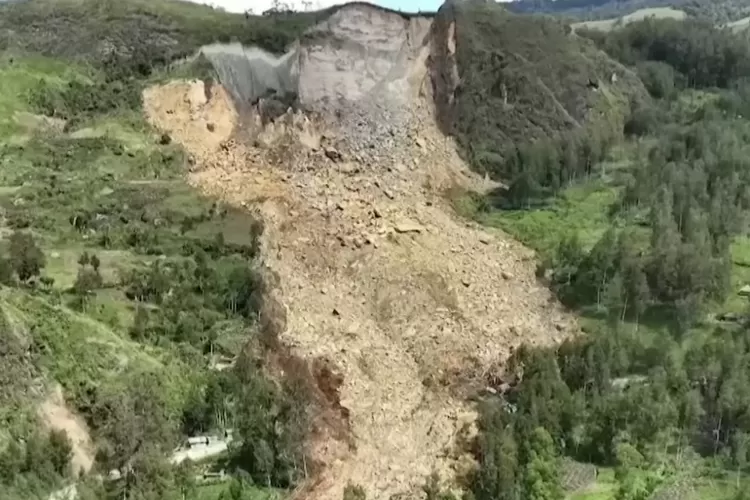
pixel 466 282
pixel 210 126
pixel 353 329
pixel 369 239
pixel 336 312
pixel 333 154
pixel 376 213
pixel 485 238
pixel 490 390
pixel 408 227
pixel 348 168
pixel 507 276
pixel 388 193
pixel 165 139
pixel 340 206
pixel 560 326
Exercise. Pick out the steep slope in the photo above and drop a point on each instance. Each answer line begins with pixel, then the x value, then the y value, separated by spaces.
pixel 503 80
pixel 413 307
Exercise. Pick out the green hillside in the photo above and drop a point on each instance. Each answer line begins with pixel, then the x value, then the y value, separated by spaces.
pixel 527 79
pixel 650 248
pixel 118 281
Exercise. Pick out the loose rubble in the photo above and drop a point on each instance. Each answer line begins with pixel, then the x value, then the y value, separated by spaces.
pixel 376 273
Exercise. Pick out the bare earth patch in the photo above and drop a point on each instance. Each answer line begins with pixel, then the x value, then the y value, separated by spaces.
pixel 55 414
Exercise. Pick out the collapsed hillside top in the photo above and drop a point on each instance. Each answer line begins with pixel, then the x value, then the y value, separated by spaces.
pixel 495 77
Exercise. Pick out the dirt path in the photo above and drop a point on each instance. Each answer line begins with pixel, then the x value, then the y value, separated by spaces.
pixel 379 277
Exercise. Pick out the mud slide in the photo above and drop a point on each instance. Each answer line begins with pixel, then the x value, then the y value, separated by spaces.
pixel 411 305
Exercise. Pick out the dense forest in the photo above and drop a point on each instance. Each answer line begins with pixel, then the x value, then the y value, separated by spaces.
pixel 655 388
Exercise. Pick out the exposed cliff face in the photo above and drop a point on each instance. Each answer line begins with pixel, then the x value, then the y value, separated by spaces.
pixel 249 73
pixel 359 52
pixel 444 75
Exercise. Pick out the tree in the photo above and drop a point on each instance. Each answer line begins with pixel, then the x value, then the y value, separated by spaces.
pixel 658 78
pixel 86 282
pixel 540 478
pixel 497 478
pixel 95 262
pixel 84 259
pixel 242 285
pixel 184 478
pixel 597 268
pixel 740 445
pixel 133 418
pixel 632 479
pixel 139 330
pixel 60 451
pixel 6 271
pixel 150 476
pixel 11 462
pixel 26 257
pixel 264 460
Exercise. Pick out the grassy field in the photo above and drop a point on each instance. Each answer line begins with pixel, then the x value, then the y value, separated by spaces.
pixel 639 15
pixel 582 208
pixel 214 491
pixel 683 486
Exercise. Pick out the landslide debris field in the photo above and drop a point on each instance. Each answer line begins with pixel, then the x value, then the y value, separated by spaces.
pixel 413 306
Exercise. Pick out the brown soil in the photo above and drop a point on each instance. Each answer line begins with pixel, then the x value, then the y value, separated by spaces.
pixel 377 275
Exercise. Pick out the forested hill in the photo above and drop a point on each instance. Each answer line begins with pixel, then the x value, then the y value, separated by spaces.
pixel 650 246
pixel 717 11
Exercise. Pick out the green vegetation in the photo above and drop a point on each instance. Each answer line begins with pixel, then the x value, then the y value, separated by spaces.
pixel 525 79
pixel 103 32
pixel 650 249
pixel 117 280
